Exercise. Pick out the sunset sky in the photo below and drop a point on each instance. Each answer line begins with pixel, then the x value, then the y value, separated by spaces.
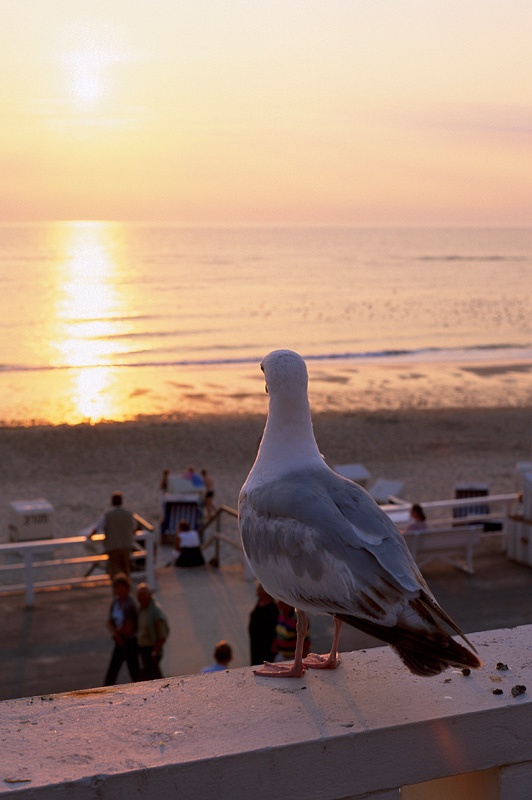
pixel 364 112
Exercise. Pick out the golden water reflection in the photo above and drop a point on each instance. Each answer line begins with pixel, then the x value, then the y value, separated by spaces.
pixel 90 311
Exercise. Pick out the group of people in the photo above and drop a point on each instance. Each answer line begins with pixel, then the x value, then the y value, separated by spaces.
pixel 272 630
pixel 272 634
pixel 199 481
pixel 138 631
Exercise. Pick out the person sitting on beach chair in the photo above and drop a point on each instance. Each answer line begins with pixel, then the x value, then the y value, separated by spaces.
pixel 187 550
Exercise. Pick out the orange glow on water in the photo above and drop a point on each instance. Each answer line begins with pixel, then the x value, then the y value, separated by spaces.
pixel 88 303
pixel 89 311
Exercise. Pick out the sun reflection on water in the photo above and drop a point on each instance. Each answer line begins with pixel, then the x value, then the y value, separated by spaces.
pixel 90 311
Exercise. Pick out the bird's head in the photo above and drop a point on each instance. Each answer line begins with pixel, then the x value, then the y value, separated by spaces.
pixel 285 372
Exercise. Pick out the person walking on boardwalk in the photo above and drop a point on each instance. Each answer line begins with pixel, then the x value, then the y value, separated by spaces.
pixel 122 623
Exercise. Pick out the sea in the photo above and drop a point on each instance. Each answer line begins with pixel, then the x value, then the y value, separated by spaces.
pixel 117 321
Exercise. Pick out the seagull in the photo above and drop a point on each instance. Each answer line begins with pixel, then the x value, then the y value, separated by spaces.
pixel 320 543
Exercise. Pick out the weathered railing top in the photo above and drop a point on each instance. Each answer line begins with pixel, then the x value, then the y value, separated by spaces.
pixel 367 727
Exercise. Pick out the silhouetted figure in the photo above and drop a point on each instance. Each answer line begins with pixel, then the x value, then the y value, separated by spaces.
pixel 262 627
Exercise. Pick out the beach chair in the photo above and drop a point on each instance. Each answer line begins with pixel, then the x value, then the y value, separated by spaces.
pixel 462 490
pixel 383 489
pixel 519 525
pixel 354 472
pixel 176 509
pixel 181 501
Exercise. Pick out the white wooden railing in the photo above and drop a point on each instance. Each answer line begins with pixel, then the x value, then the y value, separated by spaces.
pixel 217 537
pixel 503 502
pixel 27 551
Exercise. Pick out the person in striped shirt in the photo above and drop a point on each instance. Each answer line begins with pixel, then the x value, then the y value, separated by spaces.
pixel 284 645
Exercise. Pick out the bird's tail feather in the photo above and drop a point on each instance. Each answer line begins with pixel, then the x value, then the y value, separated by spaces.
pixel 423 653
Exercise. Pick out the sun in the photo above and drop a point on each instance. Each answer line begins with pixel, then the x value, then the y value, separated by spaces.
pixel 87 82
pixel 87 75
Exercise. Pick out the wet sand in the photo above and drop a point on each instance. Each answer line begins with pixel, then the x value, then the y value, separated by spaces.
pixel 339 385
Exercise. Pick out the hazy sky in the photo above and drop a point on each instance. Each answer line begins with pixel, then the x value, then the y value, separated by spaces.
pixel 285 111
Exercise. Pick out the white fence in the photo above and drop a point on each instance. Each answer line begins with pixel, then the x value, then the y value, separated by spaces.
pixel 439 512
pixel 38 555
pixel 31 556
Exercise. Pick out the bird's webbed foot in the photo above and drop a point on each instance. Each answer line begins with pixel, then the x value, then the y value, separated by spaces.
pixel 280 670
pixel 315 661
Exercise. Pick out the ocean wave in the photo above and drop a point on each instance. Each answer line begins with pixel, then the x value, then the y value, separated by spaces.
pixel 429 354
pixel 453 257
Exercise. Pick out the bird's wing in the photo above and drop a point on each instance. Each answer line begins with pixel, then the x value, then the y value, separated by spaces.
pixel 320 542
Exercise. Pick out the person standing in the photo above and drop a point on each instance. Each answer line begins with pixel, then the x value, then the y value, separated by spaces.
pixel 284 645
pixel 192 476
pixel 122 623
pixel 152 632
pixel 118 526
pixel 208 497
pixel 262 628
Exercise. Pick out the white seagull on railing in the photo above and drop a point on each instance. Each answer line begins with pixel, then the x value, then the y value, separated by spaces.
pixel 320 543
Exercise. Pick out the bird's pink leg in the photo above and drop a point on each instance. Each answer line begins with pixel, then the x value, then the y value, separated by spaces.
pixel 296 669
pixel 314 661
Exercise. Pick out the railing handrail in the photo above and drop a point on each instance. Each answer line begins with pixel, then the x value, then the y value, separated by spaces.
pixel 143 522
pixel 28 548
pixel 218 537
pixel 218 513
pixel 41 544
pixel 461 502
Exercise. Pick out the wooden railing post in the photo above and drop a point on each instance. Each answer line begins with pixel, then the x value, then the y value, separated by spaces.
pixel 218 531
pixel 28 563
pixel 149 543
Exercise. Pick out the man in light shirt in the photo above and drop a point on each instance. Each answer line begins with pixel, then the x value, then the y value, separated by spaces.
pixel 118 526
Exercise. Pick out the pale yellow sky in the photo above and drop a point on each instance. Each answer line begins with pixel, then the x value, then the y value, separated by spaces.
pixel 363 112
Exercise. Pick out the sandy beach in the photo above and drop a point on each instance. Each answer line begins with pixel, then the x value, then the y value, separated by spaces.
pixel 76 467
